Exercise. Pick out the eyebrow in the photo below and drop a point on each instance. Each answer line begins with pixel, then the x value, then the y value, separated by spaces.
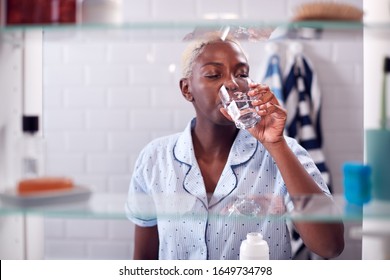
pixel 212 63
pixel 238 65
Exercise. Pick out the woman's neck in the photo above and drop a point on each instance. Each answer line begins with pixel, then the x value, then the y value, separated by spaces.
pixel 213 140
pixel 212 145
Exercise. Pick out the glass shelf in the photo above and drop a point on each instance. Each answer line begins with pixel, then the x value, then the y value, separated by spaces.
pixel 98 205
pixel 252 31
pixel 200 24
pixel 316 208
pixel 112 206
pixel 246 30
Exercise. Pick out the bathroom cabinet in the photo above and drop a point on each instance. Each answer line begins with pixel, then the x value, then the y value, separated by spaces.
pixel 21 92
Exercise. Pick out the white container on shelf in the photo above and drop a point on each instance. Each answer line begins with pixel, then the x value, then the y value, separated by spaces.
pixel 377 11
pixel 102 11
pixel 254 247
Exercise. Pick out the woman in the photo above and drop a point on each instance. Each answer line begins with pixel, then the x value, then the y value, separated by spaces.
pixel 191 181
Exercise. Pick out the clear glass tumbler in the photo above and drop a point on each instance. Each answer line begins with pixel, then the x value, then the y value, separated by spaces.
pixel 239 107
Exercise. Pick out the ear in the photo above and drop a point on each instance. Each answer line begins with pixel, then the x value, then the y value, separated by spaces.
pixel 185 89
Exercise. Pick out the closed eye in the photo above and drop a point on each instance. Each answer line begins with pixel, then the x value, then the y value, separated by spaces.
pixel 213 77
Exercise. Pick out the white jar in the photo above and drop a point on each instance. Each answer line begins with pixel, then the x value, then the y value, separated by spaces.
pixel 102 11
pixel 254 247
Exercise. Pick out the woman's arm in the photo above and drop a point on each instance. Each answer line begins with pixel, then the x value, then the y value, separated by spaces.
pixel 324 239
pixel 146 243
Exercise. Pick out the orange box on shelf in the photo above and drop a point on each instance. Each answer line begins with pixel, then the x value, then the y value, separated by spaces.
pixel 44 184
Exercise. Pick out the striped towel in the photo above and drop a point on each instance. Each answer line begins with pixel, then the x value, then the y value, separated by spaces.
pixel 303 103
pixel 273 77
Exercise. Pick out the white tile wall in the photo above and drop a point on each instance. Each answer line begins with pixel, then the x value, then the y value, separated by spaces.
pixel 106 96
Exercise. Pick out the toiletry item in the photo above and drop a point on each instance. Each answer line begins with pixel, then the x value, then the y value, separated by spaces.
pixel 376 12
pixel 31 148
pixel 377 155
pixel 44 185
pixel 385 102
pixel 41 12
pixel 254 247
pixel 102 11
pixel 357 183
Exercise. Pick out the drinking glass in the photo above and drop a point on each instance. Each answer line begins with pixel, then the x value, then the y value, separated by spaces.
pixel 239 107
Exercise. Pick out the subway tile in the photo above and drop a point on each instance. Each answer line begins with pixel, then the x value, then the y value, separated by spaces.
pixel 182 118
pixel 343 120
pixel 106 163
pixel 173 9
pixel 63 249
pixel 168 97
pixel 54 228
pixel 169 52
pixel 335 97
pixel 86 141
pixel 63 75
pixel 109 250
pixel 85 98
pixel 148 120
pixel 107 76
pixel 336 74
pixel 53 53
pixel 318 52
pixel 53 98
pixel 260 10
pixel 54 141
pixel 81 53
pixel 130 97
pixel 121 230
pixel 345 141
pixel 343 53
pixel 64 164
pixel 127 142
pixel 136 10
pixel 119 184
pixel 219 7
pixel 129 52
pixel 84 228
pixel 106 120
pixel 151 74
pixel 64 120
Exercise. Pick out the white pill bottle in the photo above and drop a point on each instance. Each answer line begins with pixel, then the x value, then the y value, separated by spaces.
pixel 254 247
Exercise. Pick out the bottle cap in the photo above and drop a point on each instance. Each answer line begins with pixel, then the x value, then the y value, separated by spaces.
pixel 254 247
pixel 30 124
pixel 386 65
pixel 254 237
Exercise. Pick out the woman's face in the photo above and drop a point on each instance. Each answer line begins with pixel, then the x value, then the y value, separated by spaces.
pixel 220 63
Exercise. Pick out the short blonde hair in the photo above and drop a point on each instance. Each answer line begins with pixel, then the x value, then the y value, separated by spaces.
pixel 195 48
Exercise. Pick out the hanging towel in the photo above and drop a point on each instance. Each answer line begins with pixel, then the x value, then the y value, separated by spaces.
pixel 273 77
pixel 302 101
pixel 303 104
pixel 273 74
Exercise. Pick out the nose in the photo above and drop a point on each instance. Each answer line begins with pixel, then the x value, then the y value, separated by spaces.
pixel 231 84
